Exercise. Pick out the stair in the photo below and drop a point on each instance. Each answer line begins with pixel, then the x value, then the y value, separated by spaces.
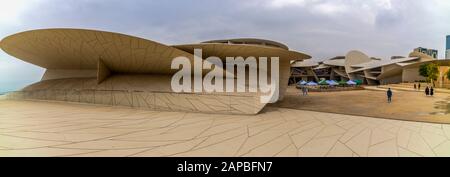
pixel 408 87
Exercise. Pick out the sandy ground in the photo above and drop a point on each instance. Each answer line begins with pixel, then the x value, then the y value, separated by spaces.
pixel 413 106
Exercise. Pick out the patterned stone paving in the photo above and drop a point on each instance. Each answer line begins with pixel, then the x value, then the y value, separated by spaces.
pixel 63 129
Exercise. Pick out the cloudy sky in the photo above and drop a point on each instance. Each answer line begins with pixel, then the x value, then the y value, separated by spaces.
pixel 321 28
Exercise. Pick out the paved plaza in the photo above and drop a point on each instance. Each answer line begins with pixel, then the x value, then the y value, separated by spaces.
pixel 30 128
pixel 406 105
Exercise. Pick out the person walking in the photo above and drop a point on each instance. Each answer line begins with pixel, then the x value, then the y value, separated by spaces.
pixel 389 95
pixel 419 87
pixel 415 87
pixel 427 91
pixel 431 91
pixel 303 90
pixel 306 91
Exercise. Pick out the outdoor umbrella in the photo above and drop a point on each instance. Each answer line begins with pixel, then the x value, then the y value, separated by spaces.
pixel 350 82
pixel 311 83
pixel 332 82
pixel 302 83
pixel 342 83
pixel 323 82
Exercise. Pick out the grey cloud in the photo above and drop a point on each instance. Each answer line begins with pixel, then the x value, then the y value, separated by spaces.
pixel 365 25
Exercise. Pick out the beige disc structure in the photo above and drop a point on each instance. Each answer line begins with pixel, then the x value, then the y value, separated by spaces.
pixel 370 70
pixel 109 68
pixel 226 50
pixel 353 58
pixel 75 49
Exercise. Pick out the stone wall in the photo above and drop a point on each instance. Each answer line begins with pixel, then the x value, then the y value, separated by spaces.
pixel 206 103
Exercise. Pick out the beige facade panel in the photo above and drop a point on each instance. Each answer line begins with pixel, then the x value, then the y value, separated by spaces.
pixel 63 74
pixel 375 71
pixel 353 58
pixel 442 80
pixel 335 62
pixel 250 41
pixel 108 68
pixel 393 79
pixel 145 96
pixel 234 50
pixel 304 63
pixel 411 71
pixel 340 73
pixel 103 72
pixel 411 74
pixel 79 49
pixel 389 71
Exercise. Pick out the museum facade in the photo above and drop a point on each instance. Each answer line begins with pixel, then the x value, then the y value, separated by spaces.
pixel 356 65
pixel 107 68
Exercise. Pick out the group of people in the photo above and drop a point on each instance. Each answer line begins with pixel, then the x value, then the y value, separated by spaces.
pixel 417 87
pixel 429 91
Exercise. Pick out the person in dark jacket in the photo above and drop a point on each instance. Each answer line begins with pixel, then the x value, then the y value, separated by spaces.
pixel 427 91
pixel 418 87
pixel 389 95
pixel 431 91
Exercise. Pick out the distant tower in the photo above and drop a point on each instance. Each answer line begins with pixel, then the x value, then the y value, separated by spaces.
pixel 447 48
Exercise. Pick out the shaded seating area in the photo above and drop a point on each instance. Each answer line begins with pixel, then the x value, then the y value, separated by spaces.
pixel 330 85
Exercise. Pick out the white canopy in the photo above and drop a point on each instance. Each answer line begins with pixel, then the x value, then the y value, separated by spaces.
pixel 311 83
pixel 302 83
pixel 332 82
pixel 350 82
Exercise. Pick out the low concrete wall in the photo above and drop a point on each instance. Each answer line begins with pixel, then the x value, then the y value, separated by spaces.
pixel 392 80
pixel 166 101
